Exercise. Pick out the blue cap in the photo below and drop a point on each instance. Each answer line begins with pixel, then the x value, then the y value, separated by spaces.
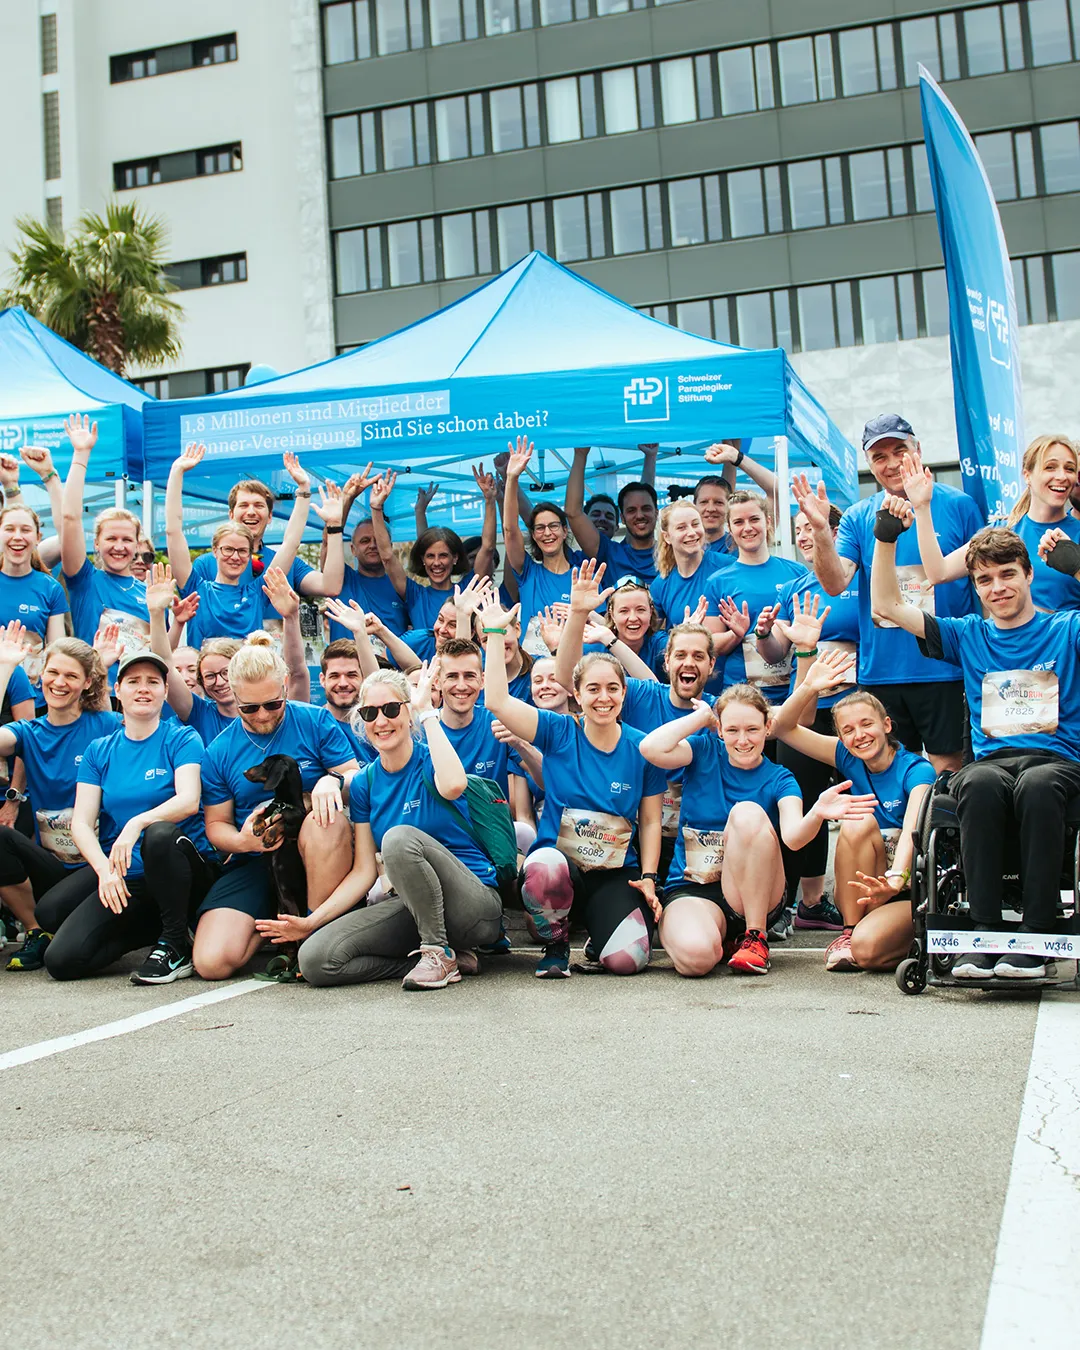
pixel 886 427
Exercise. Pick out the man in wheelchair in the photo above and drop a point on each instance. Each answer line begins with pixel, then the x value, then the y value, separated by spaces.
pixel 1021 669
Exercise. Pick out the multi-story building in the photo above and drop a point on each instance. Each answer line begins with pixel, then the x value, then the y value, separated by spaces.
pixel 756 173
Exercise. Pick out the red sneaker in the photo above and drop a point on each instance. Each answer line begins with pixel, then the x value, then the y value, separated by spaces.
pixel 751 957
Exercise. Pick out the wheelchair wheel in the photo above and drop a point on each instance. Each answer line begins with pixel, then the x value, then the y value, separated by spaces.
pixel 942 965
pixel 910 977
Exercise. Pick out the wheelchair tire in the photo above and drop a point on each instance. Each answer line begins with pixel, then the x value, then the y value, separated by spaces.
pixel 910 977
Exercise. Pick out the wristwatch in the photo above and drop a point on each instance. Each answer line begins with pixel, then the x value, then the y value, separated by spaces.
pixel 333 773
pixel 14 795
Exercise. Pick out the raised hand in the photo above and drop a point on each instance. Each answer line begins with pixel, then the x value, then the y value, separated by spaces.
pixel 281 595
pixel 330 504
pixel 184 610
pixel 107 644
pixel 736 619
pixel 585 592
pixel 426 495
pixel 429 675
pixel 299 475
pixel 765 620
pixel 834 804
pixel 9 473
pixel 470 597
pixel 160 588
pixel 894 516
pixel 81 433
pixel 696 615
pixel 830 670
pixel 520 454
pixel 359 482
pixel 918 482
pixel 706 714
pixel 813 504
pixel 191 458
pixel 39 459
pixel 804 630
pixel 485 482
pixel 350 616
pixel 14 644
pixel 722 453
pixel 381 490
pixel 552 626
pixel 492 614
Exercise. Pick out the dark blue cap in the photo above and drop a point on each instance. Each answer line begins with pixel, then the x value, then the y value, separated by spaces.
pixel 886 427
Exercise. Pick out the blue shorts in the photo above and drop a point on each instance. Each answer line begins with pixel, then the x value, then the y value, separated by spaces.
pixel 246 886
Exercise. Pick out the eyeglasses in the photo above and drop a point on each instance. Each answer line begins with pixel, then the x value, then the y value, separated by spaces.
pixel 208 675
pixel 370 711
pixel 546 529
pixel 271 705
pixel 227 552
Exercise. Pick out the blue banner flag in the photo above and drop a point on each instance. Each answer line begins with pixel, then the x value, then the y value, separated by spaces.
pixel 983 331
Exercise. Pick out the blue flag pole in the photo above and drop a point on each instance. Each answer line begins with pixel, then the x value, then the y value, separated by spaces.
pixel 983 330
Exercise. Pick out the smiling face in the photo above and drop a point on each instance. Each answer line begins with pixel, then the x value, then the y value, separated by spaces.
pixel 742 727
pixel 445 625
pixel 600 693
pixel 387 733
pixel 19 537
pixel 342 679
pixel 547 692
pixel 886 459
pixel 62 682
pixel 548 533
pixel 711 500
pixel 639 516
pixel 253 510
pixel 142 690
pixel 233 553
pixel 117 542
pixel 749 526
pixel 364 548
pixel 1004 588
pixel 685 531
pixel 460 678
pixel 438 563
pixel 631 614
pixel 262 721
pixel 1053 478
pixel 689 662
pixel 214 670
pixel 186 664
pixel 604 515
pixel 863 731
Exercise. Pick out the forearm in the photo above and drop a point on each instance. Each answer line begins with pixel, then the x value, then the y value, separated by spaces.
pixel 369 662
pixel 449 773
pixel 634 666
pixel 649 841
pixel 660 745
pixel 72 540
pixel 179 807
pixel 828 564
pixel 797 836
pixel 484 563
pixel 886 602
pixel 420 518
pixel 176 632
pixel 772 648
pixel 285 553
pixel 791 712
pixel 648 463
pixel 585 532
pixel 933 560
pixel 387 556
pixel 764 478
pixel 292 650
pixel 226 838
pixel 348 894
pixel 512 536
pixel 569 651
pixel 85 839
pixel 175 540
pixel 400 652
pixel 330 579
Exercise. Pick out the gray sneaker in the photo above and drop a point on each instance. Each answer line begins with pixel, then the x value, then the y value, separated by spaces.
pixel 782 926
pixel 975 966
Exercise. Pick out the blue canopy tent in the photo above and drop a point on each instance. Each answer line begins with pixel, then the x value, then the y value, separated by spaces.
pixel 44 379
pixel 537 351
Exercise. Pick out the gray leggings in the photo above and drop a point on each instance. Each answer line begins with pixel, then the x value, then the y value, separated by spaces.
pixel 439 902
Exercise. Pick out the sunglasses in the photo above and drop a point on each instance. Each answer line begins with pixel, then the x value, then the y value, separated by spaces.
pixel 271 705
pixel 148 558
pixel 369 712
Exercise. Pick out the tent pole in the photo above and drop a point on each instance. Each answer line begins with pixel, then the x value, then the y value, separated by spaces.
pixel 148 508
pixel 121 492
pixel 783 478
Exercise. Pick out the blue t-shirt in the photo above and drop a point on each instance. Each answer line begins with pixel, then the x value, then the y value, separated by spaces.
pixel 842 624
pixel 310 735
pixel 891 788
pixel 1022 684
pixel 519 687
pixel 712 785
pixel 579 777
pixel 383 800
pixel 137 776
pixel 375 595
pixel 719 549
pixel 32 599
pixel 538 587
pixel 207 720
pixel 19 688
pixel 421 641
pixel 1050 590
pixel 227 611
pixel 889 655
pixel 424 603
pixel 673 593
pixel 758 584
pixel 92 590
pixel 648 705
pixel 205 568
pixel 623 560
pixel 52 756
pixel 481 753
pixel 652 651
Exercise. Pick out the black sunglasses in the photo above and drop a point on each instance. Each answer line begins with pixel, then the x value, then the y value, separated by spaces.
pixel 370 712
pixel 271 705
pixel 148 558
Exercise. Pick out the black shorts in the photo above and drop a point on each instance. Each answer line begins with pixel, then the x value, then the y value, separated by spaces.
pixel 735 925
pixel 926 716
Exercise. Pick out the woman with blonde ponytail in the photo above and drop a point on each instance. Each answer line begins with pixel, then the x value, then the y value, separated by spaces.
pixel 682 562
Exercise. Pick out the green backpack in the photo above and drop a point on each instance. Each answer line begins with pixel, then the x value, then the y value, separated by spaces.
pixel 489 824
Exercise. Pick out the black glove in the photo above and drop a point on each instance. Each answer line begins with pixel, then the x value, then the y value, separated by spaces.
pixel 1064 557
pixel 887 527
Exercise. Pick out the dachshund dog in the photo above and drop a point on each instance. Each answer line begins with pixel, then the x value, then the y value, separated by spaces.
pixel 281 818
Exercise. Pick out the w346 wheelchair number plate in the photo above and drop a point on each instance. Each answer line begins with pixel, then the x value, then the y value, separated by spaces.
pixel 947 942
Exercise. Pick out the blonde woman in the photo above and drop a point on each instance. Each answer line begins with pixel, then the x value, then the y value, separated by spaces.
pixel 683 562
pixel 28 594
pixel 268 724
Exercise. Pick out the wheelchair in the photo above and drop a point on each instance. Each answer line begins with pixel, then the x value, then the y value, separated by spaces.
pixel 940 909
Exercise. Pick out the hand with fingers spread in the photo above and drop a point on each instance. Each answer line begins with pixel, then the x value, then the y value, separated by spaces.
pixel 813 504
pixel 492 615
pixel 160 588
pixel 835 803
pixel 486 483
pixel 14 644
pixel 359 482
pixel 381 490
pixel 470 597
pixel 696 615
pixel 829 671
pixel 330 504
pixel 520 454
pixel 552 626
pixel 429 676
pixel 82 434
pixel 183 611
pixel 281 595
pixel 285 928
pixel 585 592
pixel 917 481
pixel 736 619
pixel 804 629
pixel 107 644
pixel 426 495
pixel 298 474
pixel 350 616
pixel 877 891
pixel 191 458
pixel 765 620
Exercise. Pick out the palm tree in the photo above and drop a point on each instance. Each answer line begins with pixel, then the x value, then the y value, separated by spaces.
pixel 103 288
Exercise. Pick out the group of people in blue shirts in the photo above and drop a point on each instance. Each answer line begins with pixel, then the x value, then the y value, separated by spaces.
pixel 675 718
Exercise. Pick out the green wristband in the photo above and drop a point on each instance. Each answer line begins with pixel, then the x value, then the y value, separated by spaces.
pixel 496 630
pixel 807 654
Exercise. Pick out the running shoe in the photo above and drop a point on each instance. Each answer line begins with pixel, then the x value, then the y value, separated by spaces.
pixel 822 915
pixel 436 969
pixel 838 953
pixel 781 927
pixel 975 966
pixel 555 962
pixel 1020 966
pixel 31 955
pixel 502 946
pixel 468 963
pixel 164 965
pixel 751 957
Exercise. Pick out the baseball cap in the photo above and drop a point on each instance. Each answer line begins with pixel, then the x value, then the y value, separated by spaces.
pixel 133 659
pixel 886 427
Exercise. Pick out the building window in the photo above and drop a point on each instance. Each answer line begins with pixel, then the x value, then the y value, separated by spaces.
pixel 173 168
pixel 189 276
pixel 51 118
pixel 54 214
pixel 136 173
pixel 219 159
pixel 48 44
pixel 157 386
pixel 142 65
pixel 226 377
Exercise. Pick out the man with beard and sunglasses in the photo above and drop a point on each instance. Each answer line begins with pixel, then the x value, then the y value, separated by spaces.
pixel 268 724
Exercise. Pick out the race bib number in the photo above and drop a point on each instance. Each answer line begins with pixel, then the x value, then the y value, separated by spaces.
pixel 532 642
pixel 594 839
pixel 891 839
pixel 760 672
pixel 134 632
pixel 850 676
pixel 1019 702
pixel 669 820
pixel 915 590
pixel 704 855
pixel 54 831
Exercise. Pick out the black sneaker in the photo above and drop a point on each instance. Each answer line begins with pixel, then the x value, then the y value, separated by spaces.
pixel 555 962
pixel 975 966
pixel 1021 966
pixel 163 965
pixel 31 956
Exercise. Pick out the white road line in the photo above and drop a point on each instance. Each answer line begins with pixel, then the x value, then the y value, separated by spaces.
pixel 28 1053
pixel 1034 1291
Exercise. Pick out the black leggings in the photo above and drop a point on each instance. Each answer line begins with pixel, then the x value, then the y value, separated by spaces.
pixel 617 916
pixel 813 778
pixel 175 879
pixel 23 860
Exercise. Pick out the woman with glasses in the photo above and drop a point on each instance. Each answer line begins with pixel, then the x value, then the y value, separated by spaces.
pixel 268 724
pixel 542 574
pixel 407 805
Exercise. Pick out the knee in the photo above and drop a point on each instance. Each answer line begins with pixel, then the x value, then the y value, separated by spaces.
pixel 859 831
pixel 61 964
pixel 525 835
pixel 401 841
pixel 313 965
pixel 214 965
pixel 157 841
pixel 1038 784
pixel 747 820
pixel 546 871
pixel 316 839
pixel 693 956
pixel 627 951
pixel 871 953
